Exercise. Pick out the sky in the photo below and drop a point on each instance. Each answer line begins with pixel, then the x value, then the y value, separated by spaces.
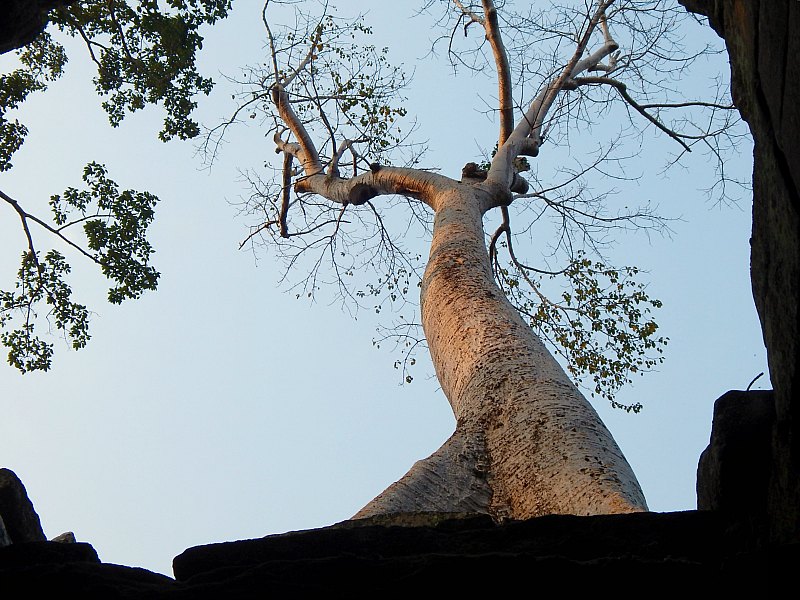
pixel 221 407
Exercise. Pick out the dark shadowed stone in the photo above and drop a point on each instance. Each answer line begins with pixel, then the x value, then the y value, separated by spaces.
pixel 21 521
pixel 65 538
pixel 93 580
pixel 42 553
pixel 733 471
pixel 5 540
pixel 474 557
pixel 22 20
pixel 763 45
pixel 690 536
pixel 600 556
pixel 54 569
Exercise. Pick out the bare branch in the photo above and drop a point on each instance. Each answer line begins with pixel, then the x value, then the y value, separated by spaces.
pixel 527 135
pixel 333 168
pixel 306 152
pixel 286 192
pixel 503 67
pixel 472 16
pixel 271 39
pixel 622 89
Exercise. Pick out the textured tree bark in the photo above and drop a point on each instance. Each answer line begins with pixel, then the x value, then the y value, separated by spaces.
pixel 527 443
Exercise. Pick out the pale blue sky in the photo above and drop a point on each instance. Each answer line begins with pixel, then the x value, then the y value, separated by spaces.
pixel 221 408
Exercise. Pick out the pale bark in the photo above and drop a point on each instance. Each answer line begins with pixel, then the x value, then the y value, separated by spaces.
pixel 504 87
pixel 533 441
pixel 527 443
pixel 526 137
pixel 454 479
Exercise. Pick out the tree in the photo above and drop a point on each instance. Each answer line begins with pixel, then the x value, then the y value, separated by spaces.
pixel 527 442
pixel 145 53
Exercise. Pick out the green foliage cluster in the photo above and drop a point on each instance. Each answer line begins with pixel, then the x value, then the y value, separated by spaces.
pixel 117 233
pixel 145 53
pixel 601 324
pixel 40 281
pixel 41 61
pixel 115 224
pixel 348 84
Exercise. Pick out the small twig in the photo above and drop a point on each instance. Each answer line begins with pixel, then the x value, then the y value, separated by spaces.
pixel 754 380
pixel 82 33
pixel 256 231
pixel 24 216
pixel 333 168
pixel 623 91
pixel 82 219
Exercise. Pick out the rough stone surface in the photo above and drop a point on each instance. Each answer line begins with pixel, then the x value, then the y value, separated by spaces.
pixel 763 45
pixel 53 570
pixel 597 555
pixel 45 553
pixel 65 538
pixel 20 519
pixel 733 472
pixel 5 540
pixel 690 536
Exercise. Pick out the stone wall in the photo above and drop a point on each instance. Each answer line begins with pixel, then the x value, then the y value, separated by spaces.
pixel 763 45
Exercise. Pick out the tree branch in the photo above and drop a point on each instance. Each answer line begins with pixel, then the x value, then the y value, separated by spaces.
pixel 623 91
pixel 306 153
pixel 333 168
pixel 504 87
pixel 380 180
pixel 285 193
pixel 24 216
pixel 473 17
pixel 527 135
pixel 89 43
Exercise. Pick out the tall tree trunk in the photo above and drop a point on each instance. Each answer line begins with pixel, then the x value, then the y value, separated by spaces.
pixel 527 443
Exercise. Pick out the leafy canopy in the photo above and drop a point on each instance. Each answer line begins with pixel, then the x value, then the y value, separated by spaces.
pixel 145 53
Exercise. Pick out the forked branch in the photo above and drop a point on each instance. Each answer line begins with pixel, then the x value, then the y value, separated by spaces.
pixel 504 88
